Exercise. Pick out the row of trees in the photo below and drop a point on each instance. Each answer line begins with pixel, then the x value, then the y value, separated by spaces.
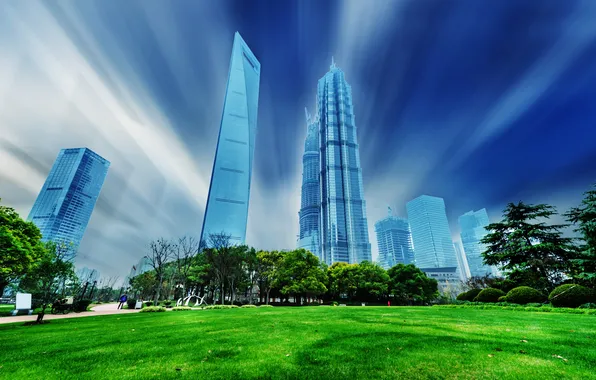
pixel 533 252
pixel 230 273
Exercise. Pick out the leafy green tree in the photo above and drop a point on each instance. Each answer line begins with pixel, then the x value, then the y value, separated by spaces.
pixel 343 280
pixel 225 259
pixel 48 276
pixel 268 263
pixel 300 273
pixel 584 218
pixel 524 245
pixel 409 285
pixel 20 246
pixel 144 285
pixel 372 282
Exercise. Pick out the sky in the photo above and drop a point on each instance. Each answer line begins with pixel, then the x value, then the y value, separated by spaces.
pixel 478 102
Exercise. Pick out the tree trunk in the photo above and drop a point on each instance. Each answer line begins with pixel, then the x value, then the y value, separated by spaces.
pixel 3 285
pixel 41 314
pixel 223 292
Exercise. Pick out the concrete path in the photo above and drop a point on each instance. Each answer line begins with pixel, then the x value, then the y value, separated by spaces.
pixel 103 309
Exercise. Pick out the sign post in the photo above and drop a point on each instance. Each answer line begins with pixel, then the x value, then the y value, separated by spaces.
pixel 23 303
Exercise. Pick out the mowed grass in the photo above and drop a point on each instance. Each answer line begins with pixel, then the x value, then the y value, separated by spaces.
pixel 305 343
pixel 6 310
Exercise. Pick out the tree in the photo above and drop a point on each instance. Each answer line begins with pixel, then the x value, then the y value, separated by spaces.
pixel 268 262
pixel 300 273
pixel 20 246
pixel 48 275
pixel 144 285
pixel 185 252
pixel 372 281
pixel 408 284
pixel 251 268
pixel 343 280
pixel 528 248
pixel 584 218
pixel 161 252
pixel 224 259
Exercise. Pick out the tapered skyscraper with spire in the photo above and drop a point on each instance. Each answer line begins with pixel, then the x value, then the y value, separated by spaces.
pixel 343 226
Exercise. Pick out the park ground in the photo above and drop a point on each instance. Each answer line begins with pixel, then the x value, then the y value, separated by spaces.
pixel 305 343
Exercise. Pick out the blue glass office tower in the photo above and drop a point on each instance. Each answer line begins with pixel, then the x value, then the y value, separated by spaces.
pixel 344 227
pixel 394 240
pixel 310 204
pixel 473 229
pixel 229 191
pixel 66 200
pixel 433 246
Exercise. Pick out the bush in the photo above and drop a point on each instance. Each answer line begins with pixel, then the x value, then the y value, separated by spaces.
pixel 81 305
pixel 469 295
pixel 248 306
pixel 153 309
pixel 334 303
pixel 131 302
pixel 524 294
pixel 219 307
pixel 489 295
pixel 167 303
pixel 570 295
pixel 534 304
pixel 148 303
pixel 502 299
pixel 588 306
pixel 181 308
pixel 266 306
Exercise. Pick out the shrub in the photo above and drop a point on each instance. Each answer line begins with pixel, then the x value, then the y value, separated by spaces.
pixel 524 294
pixel 148 303
pixel 153 309
pixel 81 305
pixel 503 299
pixel 219 307
pixel 469 295
pixel 167 303
pixel 266 306
pixel 570 295
pixel 588 306
pixel 489 295
pixel 181 308
pixel 248 306
pixel 334 303
pixel 534 304
pixel 131 302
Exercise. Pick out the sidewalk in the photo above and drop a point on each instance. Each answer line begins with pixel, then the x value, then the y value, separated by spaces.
pixel 103 309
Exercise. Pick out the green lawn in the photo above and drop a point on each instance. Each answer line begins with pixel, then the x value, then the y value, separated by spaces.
pixel 6 310
pixel 305 343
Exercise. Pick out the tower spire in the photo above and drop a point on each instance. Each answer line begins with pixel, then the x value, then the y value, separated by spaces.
pixel 389 211
pixel 332 63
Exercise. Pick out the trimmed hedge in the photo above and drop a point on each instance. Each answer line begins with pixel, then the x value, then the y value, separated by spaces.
pixel 181 308
pixel 502 299
pixel 81 305
pixel 524 294
pixel 469 295
pixel 153 309
pixel 266 306
pixel 131 303
pixel 248 306
pixel 570 295
pixel 489 295
pixel 218 307
pixel 148 303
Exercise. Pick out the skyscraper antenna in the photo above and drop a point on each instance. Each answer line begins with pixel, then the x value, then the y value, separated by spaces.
pixel 332 62
pixel 389 212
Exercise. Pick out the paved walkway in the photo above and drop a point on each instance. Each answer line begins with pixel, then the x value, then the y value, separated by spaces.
pixel 103 309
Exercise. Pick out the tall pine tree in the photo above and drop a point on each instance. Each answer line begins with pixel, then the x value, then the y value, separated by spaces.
pixel 584 218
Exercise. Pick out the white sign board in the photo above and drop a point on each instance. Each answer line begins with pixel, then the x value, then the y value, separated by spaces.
pixel 23 301
pixel 139 305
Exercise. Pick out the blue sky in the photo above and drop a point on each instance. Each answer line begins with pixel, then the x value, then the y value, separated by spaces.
pixel 478 102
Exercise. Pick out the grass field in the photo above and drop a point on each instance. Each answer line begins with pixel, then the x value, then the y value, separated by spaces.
pixel 305 343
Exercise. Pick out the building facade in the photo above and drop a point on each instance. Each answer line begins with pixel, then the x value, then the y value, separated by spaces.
pixel 310 203
pixel 473 229
pixel 394 241
pixel 66 200
pixel 229 191
pixel 343 222
pixel 462 261
pixel 433 245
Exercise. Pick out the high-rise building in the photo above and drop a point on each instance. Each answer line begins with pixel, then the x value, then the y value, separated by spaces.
pixel 473 229
pixel 462 261
pixel 343 223
pixel 433 245
pixel 394 240
pixel 310 204
pixel 229 192
pixel 66 200
pixel 88 275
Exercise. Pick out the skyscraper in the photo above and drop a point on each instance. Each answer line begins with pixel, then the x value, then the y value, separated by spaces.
pixel 462 261
pixel 343 223
pixel 394 240
pixel 66 200
pixel 433 246
pixel 472 225
pixel 310 203
pixel 229 191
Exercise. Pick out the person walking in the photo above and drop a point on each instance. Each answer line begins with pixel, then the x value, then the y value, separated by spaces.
pixel 123 299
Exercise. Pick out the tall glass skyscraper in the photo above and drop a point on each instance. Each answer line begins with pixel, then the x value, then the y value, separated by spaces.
pixel 462 261
pixel 473 229
pixel 229 191
pixel 394 240
pixel 310 203
pixel 66 200
pixel 433 246
pixel 344 227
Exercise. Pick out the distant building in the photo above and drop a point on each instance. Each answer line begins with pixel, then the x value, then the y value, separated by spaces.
pixel 394 241
pixel 66 200
pixel 229 190
pixel 448 279
pixel 88 275
pixel 462 261
pixel 310 202
pixel 344 226
pixel 433 246
pixel 473 229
